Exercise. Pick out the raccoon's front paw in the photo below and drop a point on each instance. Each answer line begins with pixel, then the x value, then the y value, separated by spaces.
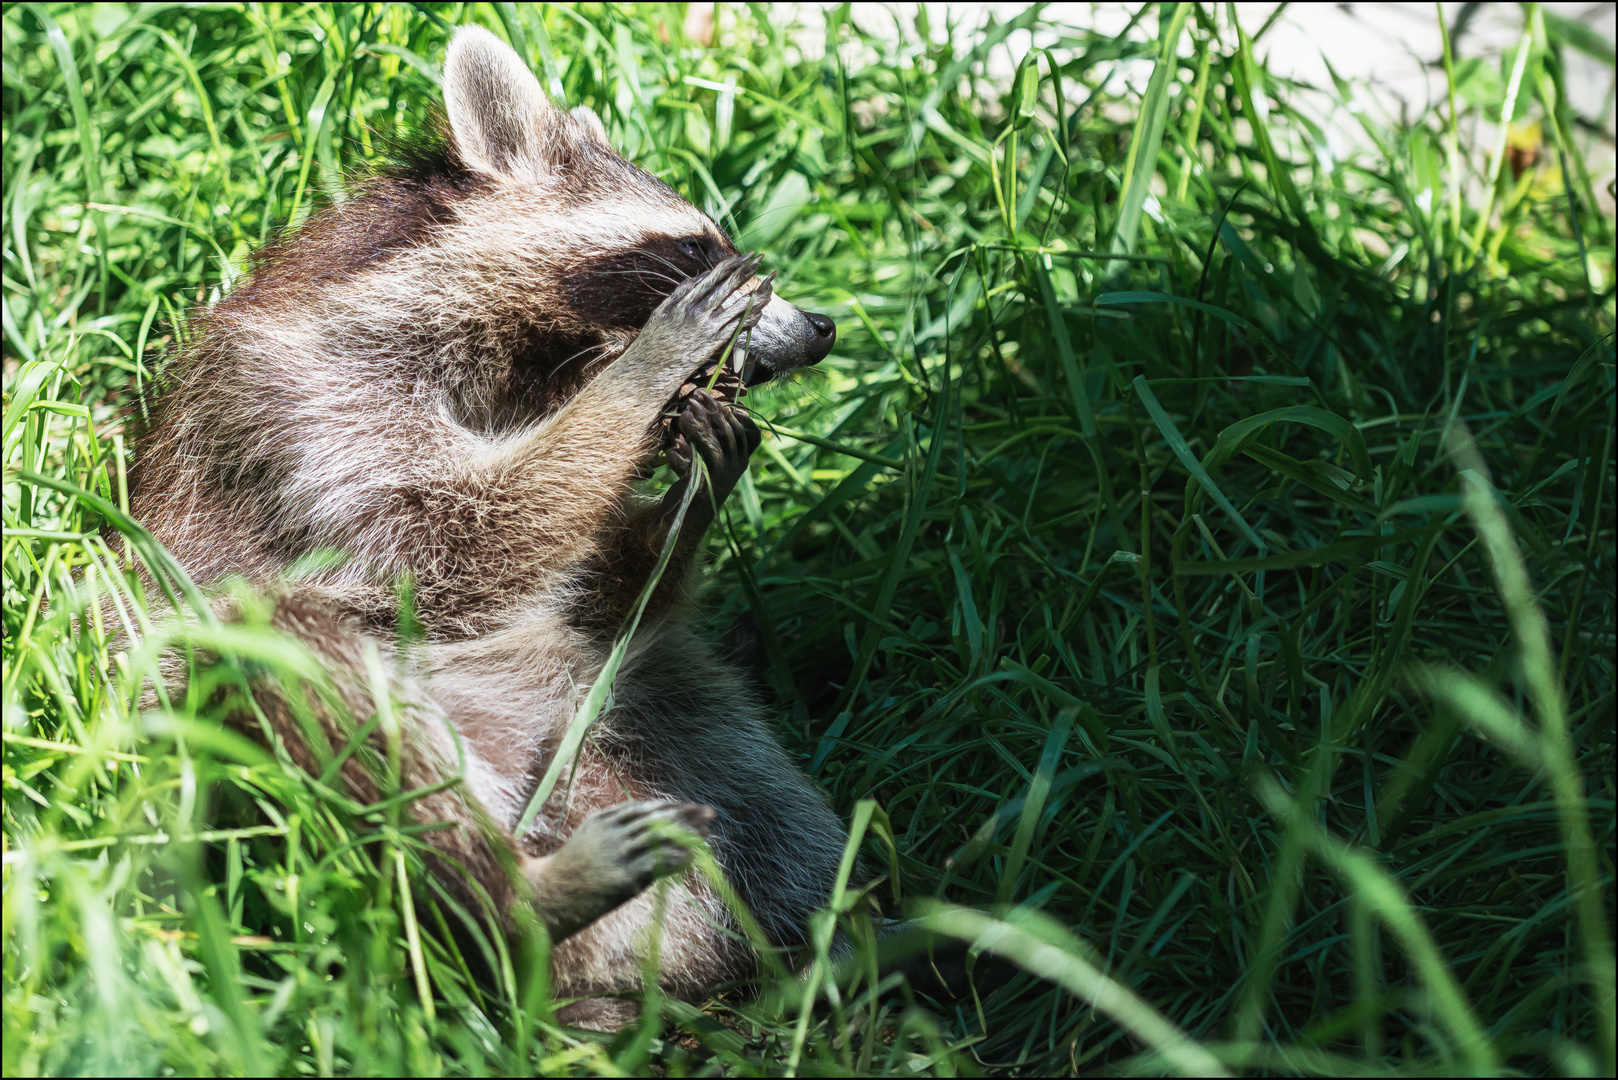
pixel 701 316
pixel 723 436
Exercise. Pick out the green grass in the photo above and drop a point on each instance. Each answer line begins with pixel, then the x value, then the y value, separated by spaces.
pixel 1197 556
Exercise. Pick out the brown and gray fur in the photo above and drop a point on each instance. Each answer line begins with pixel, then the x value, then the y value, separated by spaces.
pixel 457 377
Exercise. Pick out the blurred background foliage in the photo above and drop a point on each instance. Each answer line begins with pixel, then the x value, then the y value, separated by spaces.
pixel 1196 556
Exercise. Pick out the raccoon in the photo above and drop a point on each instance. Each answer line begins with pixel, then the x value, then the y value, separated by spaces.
pixel 456 377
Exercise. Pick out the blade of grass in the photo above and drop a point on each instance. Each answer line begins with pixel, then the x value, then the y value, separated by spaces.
pixel 1147 140
pixel 1182 450
pixel 1034 803
pixel 1539 667
pixel 1038 944
pixel 1384 898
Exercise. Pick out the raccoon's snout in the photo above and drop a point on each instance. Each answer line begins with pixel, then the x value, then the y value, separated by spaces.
pixel 825 336
pixel 785 339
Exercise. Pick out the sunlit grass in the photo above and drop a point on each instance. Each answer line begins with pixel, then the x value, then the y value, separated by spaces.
pixel 1192 573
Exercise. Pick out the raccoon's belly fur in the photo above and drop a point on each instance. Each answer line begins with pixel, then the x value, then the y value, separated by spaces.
pixel 683 726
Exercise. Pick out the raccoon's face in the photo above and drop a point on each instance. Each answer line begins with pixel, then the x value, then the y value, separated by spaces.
pixel 595 243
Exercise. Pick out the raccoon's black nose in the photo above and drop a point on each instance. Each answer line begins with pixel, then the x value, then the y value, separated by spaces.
pixel 824 337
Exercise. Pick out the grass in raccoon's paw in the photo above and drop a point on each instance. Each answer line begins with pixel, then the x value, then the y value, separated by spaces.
pixel 1192 573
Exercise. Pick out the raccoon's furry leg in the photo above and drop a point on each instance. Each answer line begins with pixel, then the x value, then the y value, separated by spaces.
pixel 679 710
pixel 614 854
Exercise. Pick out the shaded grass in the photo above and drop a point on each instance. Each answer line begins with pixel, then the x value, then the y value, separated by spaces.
pixel 1134 563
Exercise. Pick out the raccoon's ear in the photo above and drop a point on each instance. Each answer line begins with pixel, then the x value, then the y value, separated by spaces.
pixel 496 108
pixel 592 124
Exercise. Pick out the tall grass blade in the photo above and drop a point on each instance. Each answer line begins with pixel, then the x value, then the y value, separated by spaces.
pixel 1040 945
pixel 1147 140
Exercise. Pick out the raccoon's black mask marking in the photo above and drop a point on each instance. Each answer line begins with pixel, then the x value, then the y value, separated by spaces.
pixel 624 288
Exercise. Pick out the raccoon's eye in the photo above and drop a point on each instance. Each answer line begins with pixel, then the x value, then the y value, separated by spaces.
pixel 695 249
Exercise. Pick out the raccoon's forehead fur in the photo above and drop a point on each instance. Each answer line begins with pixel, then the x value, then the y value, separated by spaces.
pixel 506 290
pixel 589 224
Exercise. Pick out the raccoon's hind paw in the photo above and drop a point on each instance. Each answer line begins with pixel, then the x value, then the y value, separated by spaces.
pixel 635 843
pixel 613 856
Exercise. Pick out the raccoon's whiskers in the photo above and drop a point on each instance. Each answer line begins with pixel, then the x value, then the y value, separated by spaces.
pixel 660 283
pixel 666 261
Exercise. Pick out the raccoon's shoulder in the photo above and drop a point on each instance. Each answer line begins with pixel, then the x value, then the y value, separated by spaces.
pixel 397 206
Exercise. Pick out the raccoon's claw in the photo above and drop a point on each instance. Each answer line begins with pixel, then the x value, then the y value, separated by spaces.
pixel 678 452
pixel 717 293
pixel 637 841
pixel 610 858
pixel 754 303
